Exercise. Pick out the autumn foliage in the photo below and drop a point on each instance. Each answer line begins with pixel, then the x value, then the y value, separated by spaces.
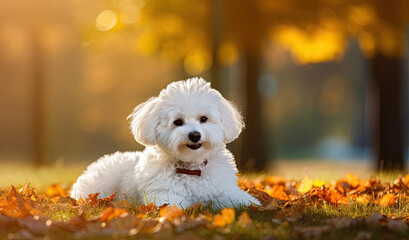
pixel 26 213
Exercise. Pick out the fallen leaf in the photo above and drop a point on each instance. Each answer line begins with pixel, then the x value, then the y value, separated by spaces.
pixel 305 185
pixel 92 199
pixel 406 179
pixel 278 192
pixel 145 209
pixel 244 220
pixel 388 200
pixel 111 213
pixel 185 223
pixel 317 183
pixel 170 213
pixel 55 190
pixel 226 217
pixel 352 180
pixel 363 199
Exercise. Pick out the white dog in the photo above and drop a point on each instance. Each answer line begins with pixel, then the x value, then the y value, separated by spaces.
pixel 185 161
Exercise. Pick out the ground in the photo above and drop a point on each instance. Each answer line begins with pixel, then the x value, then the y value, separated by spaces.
pixel 300 200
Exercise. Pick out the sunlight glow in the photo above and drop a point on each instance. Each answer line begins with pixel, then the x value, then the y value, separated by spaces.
pixel 197 61
pixel 324 44
pixel 367 43
pixel 227 54
pixel 130 15
pixel 147 43
pixel 171 24
pixel 106 20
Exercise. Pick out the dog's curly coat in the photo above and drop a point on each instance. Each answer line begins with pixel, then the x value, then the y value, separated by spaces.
pixel 186 126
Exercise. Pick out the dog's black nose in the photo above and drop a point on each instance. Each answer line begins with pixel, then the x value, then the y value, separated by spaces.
pixel 194 136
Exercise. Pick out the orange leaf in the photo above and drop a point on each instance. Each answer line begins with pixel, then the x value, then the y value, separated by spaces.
pixel 352 180
pixel 274 180
pixel 92 199
pixel 333 196
pixel 80 201
pixel 109 199
pixel 244 220
pixel 226 217
pixel 12 192
pixel 364 199
pixel 317 183
pixel 55 190
pixel 145 209
pixel 111 213
pixel 406 179
pixel 27 190
pixel 305 185
pixel 388 200
pixel 278 192
pixel 170 213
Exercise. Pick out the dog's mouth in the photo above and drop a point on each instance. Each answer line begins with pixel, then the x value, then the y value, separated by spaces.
pixel 194 146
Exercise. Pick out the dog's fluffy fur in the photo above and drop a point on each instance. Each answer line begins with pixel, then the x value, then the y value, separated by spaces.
pixel 152 173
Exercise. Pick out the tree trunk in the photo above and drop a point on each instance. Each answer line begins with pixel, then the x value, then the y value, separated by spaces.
pixel 254 154
pixel 216 33
pixel 389 135
pixel 37 100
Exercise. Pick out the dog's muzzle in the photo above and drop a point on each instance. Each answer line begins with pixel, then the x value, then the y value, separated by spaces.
pixel 194 146
pixel 194 137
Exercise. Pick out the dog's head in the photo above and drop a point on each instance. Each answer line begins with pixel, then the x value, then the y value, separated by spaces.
pixel 187 119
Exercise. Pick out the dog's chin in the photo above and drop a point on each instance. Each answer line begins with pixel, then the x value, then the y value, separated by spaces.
pixel 194 146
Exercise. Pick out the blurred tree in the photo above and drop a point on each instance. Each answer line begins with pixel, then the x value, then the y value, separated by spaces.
pixel 36 21
pixel 38 84
pixel 210 34
pixel 387 63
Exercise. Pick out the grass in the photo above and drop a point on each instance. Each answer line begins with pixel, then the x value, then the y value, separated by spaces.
pixel 306 221
pixel 17 173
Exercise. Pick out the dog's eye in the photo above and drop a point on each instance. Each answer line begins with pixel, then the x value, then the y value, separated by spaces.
pixel 203 119
pixel 178 122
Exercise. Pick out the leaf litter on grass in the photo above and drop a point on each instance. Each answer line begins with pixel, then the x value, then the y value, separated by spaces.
pixel 304 209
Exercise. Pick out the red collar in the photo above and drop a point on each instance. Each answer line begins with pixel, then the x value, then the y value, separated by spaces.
pixel 191 172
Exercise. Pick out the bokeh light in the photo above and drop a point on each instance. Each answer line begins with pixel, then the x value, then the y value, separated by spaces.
pixel 130 14
pixel 147 43
pixel 197 61
pixel 106 20
pixel 228 54
pixel 324 44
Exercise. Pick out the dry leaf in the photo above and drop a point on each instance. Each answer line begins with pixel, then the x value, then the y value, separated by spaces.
pixel 352 180
pixel 317 183
pixel 226 217
pixel 244 220
pixel 388 200
pixel 305 185
pixel 278 192
pixel 111 213
pixel 55 190
pixel 170 213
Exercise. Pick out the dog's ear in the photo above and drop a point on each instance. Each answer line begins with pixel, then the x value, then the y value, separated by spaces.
pixel 232 120
pixel 143 121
